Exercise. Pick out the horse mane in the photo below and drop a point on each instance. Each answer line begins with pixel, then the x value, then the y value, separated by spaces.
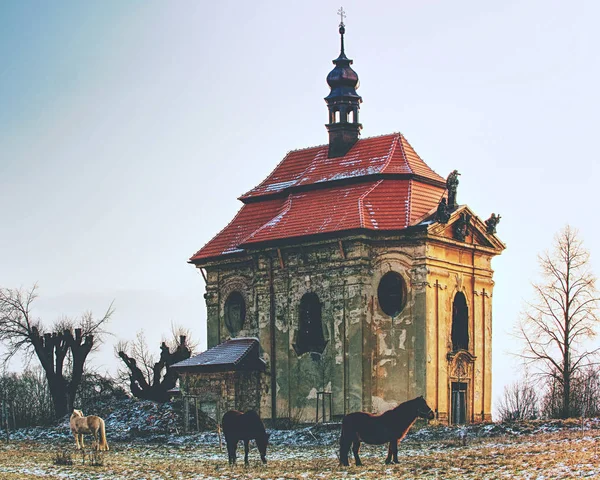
pixel 404 405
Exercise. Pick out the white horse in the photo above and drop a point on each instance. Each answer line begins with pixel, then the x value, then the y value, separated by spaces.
pixel 91 424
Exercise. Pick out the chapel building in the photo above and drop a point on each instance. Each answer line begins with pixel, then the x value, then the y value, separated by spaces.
pixel 350 279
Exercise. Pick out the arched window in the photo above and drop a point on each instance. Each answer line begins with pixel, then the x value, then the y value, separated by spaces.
pixel 310 327
pixel 235 312
pixel 391 293
pixel 337 117
pixel 460 323
pixel 350 116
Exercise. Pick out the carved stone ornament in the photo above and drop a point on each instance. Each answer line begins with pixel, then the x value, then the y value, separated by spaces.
pixel 491 223
pixel 461 363
pixel 461 227
pixel 461 369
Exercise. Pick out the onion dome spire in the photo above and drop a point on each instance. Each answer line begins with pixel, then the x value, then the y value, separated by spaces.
pixel 343 102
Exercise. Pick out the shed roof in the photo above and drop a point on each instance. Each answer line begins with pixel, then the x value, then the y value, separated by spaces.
pixel 232 355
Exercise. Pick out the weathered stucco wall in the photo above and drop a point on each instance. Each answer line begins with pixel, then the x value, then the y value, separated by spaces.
pixel 371 361
pixel 457 268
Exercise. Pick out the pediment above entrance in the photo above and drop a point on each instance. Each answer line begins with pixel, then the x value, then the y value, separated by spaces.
pixel 464 227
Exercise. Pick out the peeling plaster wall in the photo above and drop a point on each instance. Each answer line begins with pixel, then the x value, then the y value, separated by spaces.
pixel 371 362
pixel 339 283
pixel 397 366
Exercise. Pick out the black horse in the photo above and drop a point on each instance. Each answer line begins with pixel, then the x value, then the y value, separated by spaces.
pixel 244 426
pixel 390 426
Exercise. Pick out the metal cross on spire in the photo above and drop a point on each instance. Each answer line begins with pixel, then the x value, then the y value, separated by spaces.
pixel 342 15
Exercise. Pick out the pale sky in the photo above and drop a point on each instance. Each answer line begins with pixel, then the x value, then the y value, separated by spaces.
pixel 128 129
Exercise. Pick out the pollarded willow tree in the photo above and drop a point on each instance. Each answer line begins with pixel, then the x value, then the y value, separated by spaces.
pixel 62 351
pixel 558 324
pixel 150 379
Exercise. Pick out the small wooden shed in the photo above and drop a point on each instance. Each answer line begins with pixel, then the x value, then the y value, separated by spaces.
pixel 225 377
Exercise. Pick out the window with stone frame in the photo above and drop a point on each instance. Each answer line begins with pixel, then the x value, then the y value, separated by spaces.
pixel 460 323
pixel 310 336
pixel 391 293
pixel 235 312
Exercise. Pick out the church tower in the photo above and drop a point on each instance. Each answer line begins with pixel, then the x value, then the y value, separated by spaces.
pixel 343 103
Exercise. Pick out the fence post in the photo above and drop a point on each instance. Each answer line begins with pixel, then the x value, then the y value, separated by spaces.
pixel 186 413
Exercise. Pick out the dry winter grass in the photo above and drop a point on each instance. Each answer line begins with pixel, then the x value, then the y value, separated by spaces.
pixel 566 454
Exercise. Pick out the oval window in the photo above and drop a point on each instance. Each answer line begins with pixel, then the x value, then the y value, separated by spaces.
pixel 235 312
pixel 392 293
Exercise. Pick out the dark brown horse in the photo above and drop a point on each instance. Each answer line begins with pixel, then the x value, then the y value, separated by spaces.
pixel 244 426
pixel 390 426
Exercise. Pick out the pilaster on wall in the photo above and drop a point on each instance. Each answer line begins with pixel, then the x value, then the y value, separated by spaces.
pixel 451 273
pixel 354 331
pixel 437 346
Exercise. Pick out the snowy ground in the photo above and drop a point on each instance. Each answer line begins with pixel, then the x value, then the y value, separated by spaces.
pixel 146 444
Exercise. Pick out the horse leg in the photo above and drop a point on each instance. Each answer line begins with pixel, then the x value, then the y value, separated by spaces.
pixel 96 444
pixel 246 450
pixel 231 448
pixel 355 449
pixel 392 452
pixel 76 435
pixel 81 440
pixel 344 449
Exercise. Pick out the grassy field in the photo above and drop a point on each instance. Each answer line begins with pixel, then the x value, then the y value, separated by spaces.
pixel 565 454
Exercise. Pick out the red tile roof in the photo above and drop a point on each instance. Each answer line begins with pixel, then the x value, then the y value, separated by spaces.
pixel 386 154
pixel 381 184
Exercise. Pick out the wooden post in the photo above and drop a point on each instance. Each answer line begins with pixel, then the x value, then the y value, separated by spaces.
pixel 220 438
pixel 197 418
pixel 218 414
pixel 342 252
pixel 186 413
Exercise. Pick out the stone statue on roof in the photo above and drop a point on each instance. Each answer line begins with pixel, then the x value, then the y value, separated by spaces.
pixel 491 223
pixel 452 186
pixel 443 213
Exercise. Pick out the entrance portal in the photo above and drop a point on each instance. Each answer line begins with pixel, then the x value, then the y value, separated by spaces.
pixel 459 403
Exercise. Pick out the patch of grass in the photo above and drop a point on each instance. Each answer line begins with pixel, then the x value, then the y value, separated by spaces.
pixel 95 458
pixel 63 457
pixel 564 454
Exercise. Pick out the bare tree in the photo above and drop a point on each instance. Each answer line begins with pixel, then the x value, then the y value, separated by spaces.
pixel 557 324
pixel 68 341
pixel 150 379
pixel 519 402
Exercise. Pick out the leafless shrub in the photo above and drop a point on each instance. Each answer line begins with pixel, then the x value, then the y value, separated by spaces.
pixel 95 458
pixel 63 457
pixel 519 402
pixel 25 399
pixel 584 395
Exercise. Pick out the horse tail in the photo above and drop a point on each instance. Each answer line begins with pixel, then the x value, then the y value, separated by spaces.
pixel 103 443
pixel 344 444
